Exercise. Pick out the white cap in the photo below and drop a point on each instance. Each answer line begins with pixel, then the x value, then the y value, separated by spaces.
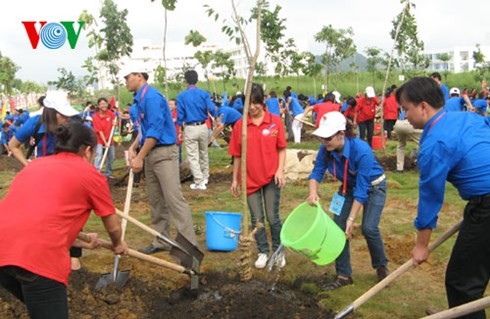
pixel 337 96
pixel 238 93
pixel 370 92
pixel 58 100
pixel 454 91
pixel 331 123
pixel 88 118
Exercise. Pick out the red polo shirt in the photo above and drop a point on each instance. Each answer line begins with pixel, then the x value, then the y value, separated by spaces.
pixel 350 113
pixel 263 144
pixel 47 205
pixel 366 109
pixel 103 124
pixel 390 108
pixel 324 108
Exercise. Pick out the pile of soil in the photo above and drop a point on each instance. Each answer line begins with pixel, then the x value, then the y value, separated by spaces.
pixel 221 297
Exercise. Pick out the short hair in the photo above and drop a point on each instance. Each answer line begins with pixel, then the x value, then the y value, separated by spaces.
pixel 421 89
pixel 5 125
pixel 257 96
pixel 273 93
pixel 351 101
pixel 436 75
pixel 191 77
pixel 102 99
pixel 329 97
pixel 88 103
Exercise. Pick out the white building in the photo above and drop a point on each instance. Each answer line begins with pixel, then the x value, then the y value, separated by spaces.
pixel 461 58
pixel 146 57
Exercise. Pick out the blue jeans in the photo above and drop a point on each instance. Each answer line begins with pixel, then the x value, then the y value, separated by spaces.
pixel 269 197
pixel 99 150
pixel 371 216
pixel 43 297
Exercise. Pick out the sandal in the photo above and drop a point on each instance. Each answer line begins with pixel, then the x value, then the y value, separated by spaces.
pixel 337 283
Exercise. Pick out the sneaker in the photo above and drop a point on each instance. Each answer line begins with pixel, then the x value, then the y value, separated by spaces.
pixel 281 260
pixel 206 181
pixel 382 272
pixel 337 283
pixel 261 261
pixel 200 186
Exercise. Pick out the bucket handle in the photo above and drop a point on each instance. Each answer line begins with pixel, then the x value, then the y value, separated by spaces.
pixel 228 229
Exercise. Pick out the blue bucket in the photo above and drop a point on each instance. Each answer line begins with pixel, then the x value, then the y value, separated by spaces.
pixel 222 230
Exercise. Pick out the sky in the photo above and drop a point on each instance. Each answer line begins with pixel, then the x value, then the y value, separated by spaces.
pixel 440 26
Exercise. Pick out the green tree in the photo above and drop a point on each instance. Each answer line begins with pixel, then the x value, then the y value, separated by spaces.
pixel 8 69
pixel 481 66
pixel 117 38
pixel 312 68
pixel 31 87
pixel 66 81
pixel 194 38
pixel 374 60
pixel 445 58
pixel 408 46
pixel 223 62
pixel 94 41
pixel 339 45
pixel 205 58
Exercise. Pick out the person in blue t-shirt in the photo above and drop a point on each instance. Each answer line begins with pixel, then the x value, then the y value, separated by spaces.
pixel 454 147
pixel 363 187
pixel 272 103
pixel 7 133
pixel 158 151
pixel 457 103
pixel 297 112
pixel 23 117
pixel 480 105
pixel 238 102
pixel 436 76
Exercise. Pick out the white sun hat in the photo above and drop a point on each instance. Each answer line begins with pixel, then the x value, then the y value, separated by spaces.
pixel 330 123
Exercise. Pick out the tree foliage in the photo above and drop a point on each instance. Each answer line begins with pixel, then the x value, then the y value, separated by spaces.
pixel 194 38
pixel 8 69
pixel 339 45
pixel 482 67
pixel 408 46
pixel 374 61
pixel 66 81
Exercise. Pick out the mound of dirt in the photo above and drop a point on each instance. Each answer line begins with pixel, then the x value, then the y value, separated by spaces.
pixel 221 297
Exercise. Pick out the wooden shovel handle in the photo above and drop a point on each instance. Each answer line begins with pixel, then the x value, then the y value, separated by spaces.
pixel 106 150
pixel 137 254
pixel 462 310
pixel 133 220
pixel 400 270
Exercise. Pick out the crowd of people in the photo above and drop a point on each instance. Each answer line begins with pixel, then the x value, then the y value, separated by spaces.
pixel 422 110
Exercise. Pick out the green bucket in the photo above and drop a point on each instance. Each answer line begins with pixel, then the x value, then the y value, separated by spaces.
pixel 311 232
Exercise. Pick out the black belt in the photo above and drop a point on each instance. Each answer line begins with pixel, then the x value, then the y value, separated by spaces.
pixel 196 123
pixel 161 145
pixel 480 199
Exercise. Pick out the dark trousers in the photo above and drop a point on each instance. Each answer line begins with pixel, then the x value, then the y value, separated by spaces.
pixel 388 127
pixel 75 252
pixel 288 121
pixel 468 270
pixel 367 126
pixel 43 297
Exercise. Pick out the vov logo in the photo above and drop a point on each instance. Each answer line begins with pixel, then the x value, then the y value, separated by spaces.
pixel 53 35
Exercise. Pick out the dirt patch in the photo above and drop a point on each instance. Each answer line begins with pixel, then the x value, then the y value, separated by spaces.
pixel 399 248
pixel 9 164
pixel 221 297
pixel 388 162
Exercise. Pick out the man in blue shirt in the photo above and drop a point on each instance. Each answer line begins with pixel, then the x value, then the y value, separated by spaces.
pixel 297 112
pixel 459 156
pixel 456 103
pixel 194 106
pixel 6 135
pixel 436 76
pixel 161 161
pixel 480 104
pixel 23 117
pixel 272 103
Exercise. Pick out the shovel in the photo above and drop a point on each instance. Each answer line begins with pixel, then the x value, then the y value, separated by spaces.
pixel 186 254
pixel 106 150
pixel 119 278
pixel 463 309
pixel 389 279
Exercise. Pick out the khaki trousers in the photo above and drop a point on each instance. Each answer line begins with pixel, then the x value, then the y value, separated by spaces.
pixel 404 131
pixel 165 194
pixel 196 142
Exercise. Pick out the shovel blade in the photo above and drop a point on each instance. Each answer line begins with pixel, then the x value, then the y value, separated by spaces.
pixel 108 279
pixel 190 256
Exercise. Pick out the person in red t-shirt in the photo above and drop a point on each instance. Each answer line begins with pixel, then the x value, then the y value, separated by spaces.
pixel 266 153
pixel 366 109
pixel 36 234
pixel 327 106
pixel 172 103
pixel 390 110
pixel 104 122
pixel 351 113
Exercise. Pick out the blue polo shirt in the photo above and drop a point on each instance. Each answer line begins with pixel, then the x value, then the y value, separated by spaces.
pixel 480 104
pixel 362 167
pixel 313 101
pixel 22 119
pixel 27 130
pixel 454 104
pixel 7 136
pixel 445 91
pixel 295 107
pixel 155 117
pixel 193 106
pixel 273 106
pixel 238 104
pixel 460 156
pixel 230 115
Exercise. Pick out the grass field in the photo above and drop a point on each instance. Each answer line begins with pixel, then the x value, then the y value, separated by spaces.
pixel 407 297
